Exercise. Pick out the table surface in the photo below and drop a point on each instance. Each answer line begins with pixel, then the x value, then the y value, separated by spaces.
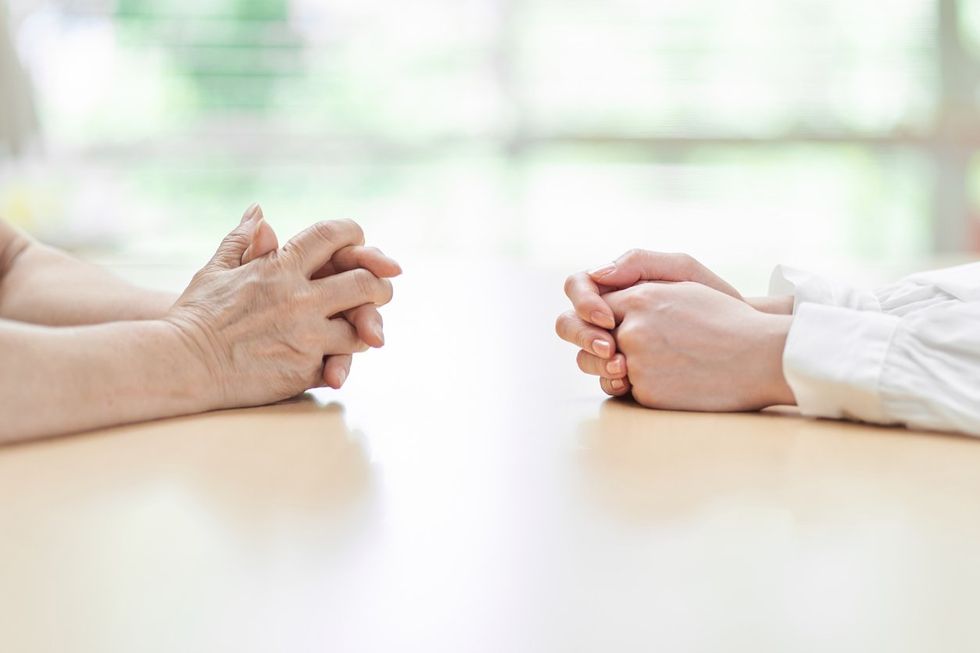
pixel 470 491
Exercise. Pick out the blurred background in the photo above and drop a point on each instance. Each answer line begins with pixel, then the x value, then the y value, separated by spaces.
pixel 835 134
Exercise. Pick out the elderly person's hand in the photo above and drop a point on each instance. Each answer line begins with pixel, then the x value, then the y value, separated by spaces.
pixel 256 325
pixel 366 319
pixel 589 324
pixel 691 347
pixel 263 329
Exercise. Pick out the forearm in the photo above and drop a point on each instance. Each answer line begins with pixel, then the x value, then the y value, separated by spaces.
pixel 62 380
pixel 42 285
pixel 773 336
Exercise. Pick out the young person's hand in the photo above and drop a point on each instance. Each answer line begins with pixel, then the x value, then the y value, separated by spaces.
pixel 261 330
pixel 591 319
pixel 690 347
pixel 589 323
pixel 365 319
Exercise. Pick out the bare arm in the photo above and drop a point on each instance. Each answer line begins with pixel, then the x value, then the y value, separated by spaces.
pixel 59 380
pixel 41 285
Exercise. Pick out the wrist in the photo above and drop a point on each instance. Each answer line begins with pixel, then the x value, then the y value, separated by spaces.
pixel 194 361
pixel 780 305
pixel 777 391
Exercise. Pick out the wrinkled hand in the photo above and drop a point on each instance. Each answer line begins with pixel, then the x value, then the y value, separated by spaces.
pixel 588 325
pixel 366 319
pixel 261 330
pixel 691 347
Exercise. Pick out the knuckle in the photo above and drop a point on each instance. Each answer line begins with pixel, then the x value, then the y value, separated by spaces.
pixel 310 341
pixel 342 362
pixel 385 291
pixel 347 338
pixel 240 237
pixel 570 283
pixel 352 228
pixel 342 333
pixel 582 360
pixel 306 299
pixel 250 286
pixel 563 323
pixel 370 315
pixel 632 256
pixel 646 293
pixel 379 291
pixel 635 300
pixel 326 230
pixel 584 337
pixel 686 263
pixel 633 253
pixel 277 264
pixel 628 336
pixel 362 280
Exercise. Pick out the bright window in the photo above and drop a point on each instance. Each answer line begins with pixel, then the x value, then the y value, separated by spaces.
pixel 556 131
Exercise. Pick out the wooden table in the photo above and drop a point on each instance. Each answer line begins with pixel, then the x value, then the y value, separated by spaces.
pixel 470 491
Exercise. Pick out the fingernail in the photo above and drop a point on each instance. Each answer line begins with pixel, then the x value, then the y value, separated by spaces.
pixel 615 366
pixel 251 213
pixel 601 319
pixel 601 347
pixel 378 333
pixel 616 384
pixel 603 271
pixel 247 255
pixel 341 377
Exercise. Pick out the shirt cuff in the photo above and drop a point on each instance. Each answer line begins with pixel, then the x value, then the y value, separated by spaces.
pixel 833 360
pixel 808 287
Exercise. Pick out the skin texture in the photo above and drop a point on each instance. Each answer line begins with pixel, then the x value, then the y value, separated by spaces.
pixel 241 334
pixel 365 319
pixel 594 326
pixel 264 327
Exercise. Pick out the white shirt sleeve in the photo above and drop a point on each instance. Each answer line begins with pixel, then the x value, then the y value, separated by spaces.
pixel 807 287
pixel 915 292
pixel 905 354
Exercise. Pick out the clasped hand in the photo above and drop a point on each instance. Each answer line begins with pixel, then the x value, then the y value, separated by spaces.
pixel 267 323
pixel 667 330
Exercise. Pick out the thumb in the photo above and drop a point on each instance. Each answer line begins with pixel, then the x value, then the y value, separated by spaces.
pixel 231 249
pixel 264 240
pixel 641 265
